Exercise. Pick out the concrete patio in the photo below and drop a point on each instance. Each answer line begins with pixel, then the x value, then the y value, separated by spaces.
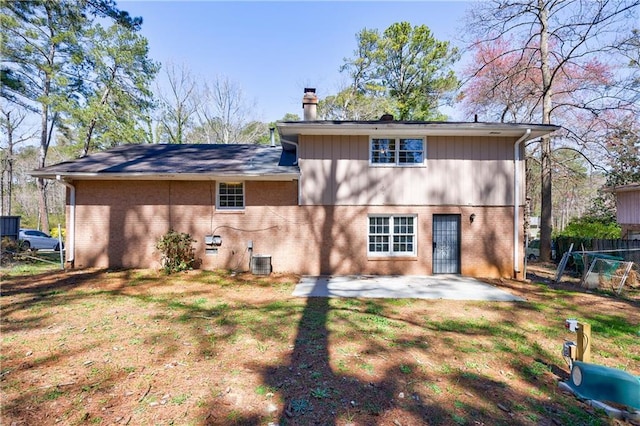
pixel 451 287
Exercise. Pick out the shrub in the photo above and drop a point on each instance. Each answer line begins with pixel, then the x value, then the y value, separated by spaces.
pixel 54 232
pixel 177 251
pixel 590 227
pixel 11 250
pixel 598 222
pixel 9 244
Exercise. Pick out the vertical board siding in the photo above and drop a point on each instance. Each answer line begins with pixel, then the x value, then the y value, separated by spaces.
pixel 335 170
pixel 628 207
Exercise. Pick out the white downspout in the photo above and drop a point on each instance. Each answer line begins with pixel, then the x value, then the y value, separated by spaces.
pixel 71 229
pixel 516 200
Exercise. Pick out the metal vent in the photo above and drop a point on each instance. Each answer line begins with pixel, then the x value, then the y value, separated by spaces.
pixel 261 264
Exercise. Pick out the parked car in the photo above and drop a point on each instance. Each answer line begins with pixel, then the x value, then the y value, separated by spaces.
pixel 38 240
pixel 533 250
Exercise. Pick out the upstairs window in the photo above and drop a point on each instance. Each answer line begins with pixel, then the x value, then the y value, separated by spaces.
pixel 230 196
pixel 397 151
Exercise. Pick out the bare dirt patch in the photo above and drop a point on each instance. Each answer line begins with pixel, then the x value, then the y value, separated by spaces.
pixel 200 348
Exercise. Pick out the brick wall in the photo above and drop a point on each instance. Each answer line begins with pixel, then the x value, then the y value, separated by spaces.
pixel 119 222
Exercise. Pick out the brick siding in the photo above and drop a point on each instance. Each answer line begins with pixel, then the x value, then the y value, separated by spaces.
pixel 119 222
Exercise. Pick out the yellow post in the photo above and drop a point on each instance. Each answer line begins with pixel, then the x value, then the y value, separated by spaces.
pixel 584 342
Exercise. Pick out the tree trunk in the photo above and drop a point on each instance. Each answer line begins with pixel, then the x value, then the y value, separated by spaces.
pixel 9 166
pixel 546 217
pixel 42 157
pixel 94 121
pixel 9 176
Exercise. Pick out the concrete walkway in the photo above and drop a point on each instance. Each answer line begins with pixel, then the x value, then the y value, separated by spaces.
pixel 452 287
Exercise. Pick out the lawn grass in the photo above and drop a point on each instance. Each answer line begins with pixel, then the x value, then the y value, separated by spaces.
pixel 139 347
pixel 32 263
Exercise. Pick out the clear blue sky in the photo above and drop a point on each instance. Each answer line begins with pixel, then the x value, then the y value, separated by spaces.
pixel 272 50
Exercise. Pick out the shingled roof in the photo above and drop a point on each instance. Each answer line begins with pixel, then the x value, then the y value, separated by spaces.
pixel 179 161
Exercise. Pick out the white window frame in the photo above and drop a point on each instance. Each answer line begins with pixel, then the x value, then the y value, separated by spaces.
pixel 391 235
pixel 397 151
pixel 230 208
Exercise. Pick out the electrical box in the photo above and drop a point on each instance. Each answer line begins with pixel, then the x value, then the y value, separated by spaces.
pixel 571 324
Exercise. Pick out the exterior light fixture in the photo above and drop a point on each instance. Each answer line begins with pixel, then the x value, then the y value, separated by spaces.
pixel 472 217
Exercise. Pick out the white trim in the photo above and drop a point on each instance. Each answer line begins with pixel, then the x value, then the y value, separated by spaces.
pixel 397 151
pixel 391 253
pixel 71 225
pixel 622 188
pixel 231 209
pixel 288 129
pixel 516 199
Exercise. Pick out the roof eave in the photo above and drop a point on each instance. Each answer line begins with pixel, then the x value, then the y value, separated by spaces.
pixel 165 176
pixel 412 128
pixel 622 188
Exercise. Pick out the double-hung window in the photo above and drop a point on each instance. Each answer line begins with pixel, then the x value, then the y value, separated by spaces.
pixel 391 235
pixel 397 151
pixel 230 196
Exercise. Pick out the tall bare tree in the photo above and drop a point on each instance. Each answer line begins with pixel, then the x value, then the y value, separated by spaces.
pixel 225 116
pixel 178 104
pixel 14 133
pixel 550 38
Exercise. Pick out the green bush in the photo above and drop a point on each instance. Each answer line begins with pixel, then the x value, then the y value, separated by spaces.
pixel 177 251
pixel 590 227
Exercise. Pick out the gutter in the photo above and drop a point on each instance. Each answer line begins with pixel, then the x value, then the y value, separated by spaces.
pixel 621 188
pixel 71 229
pixel 290 129
pixel 516 199
pixel 284 176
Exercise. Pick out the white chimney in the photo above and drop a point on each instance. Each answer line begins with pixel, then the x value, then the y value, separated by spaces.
pixel 310 104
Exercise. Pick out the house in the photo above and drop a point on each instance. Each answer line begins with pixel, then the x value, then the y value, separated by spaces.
pixel 336 197
pixel 628 209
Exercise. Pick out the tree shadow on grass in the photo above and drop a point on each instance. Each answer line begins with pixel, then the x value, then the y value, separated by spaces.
pixel 314 391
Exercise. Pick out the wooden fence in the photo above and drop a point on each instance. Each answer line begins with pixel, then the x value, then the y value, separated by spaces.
pixel 629 250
